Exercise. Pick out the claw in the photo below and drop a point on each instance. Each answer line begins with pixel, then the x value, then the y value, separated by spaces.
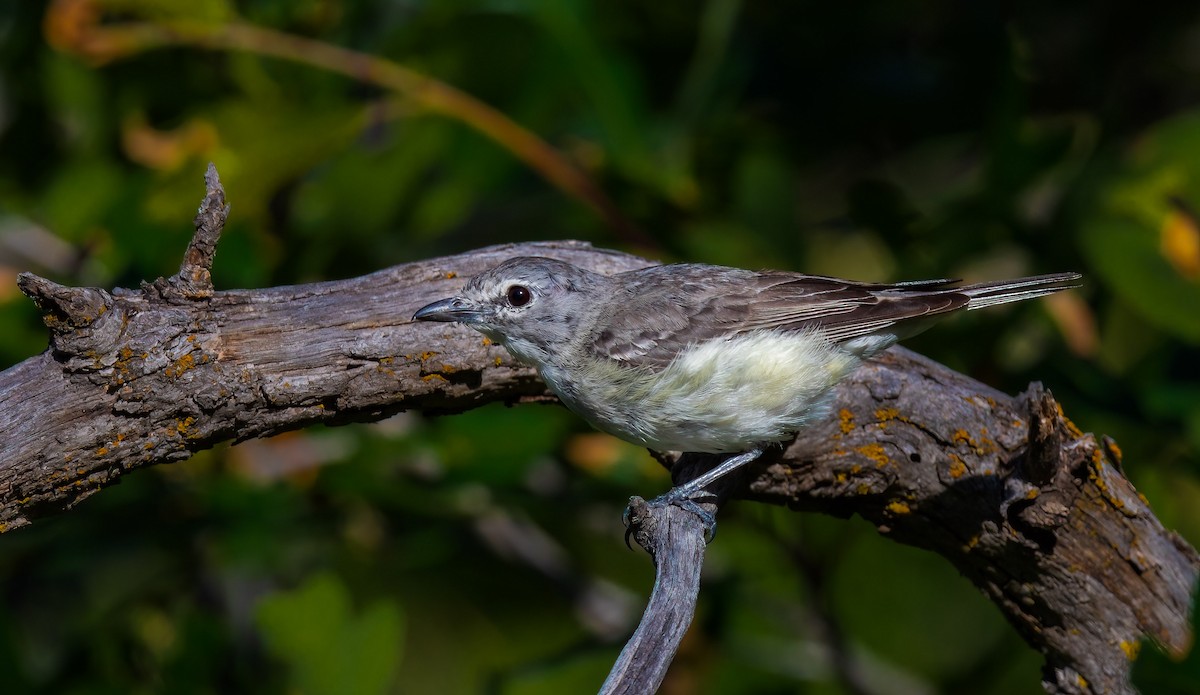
pixel 686 500
pixel 627 518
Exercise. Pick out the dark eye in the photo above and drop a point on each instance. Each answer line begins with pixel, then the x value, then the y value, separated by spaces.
pixel 519 295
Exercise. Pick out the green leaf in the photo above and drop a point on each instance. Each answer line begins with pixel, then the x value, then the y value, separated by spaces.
pixel 332 651
pixel 1132 236
pixel 1124 253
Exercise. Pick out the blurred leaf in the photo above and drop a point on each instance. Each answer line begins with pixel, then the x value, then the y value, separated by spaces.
pixel 81 197
pixel 892 597
pixel 1126 256
pixel 331 650
pixel 1142 238
pixel 208 10
pixel 1180 243
pixel 610 83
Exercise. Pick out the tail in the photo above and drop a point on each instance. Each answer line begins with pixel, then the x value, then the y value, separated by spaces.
pixel 987 294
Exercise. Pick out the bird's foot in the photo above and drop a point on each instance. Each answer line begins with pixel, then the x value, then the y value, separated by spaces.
pixel 682 496
pixel 685 498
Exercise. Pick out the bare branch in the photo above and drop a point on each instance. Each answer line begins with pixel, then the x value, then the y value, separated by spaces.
pixel 675 540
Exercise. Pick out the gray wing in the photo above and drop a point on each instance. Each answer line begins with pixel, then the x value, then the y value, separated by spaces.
pixel 666 308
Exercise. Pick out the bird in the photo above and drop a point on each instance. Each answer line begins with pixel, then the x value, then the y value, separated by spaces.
pixel 704 358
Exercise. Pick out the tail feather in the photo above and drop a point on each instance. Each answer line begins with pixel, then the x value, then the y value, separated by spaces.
pixel 986 294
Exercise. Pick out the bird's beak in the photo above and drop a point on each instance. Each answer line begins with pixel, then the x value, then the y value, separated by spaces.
pixel 450 309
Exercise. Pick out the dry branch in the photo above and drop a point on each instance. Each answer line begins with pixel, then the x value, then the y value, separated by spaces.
pixel 1030 509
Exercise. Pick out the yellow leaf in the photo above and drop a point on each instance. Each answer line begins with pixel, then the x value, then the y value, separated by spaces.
pixel 1179 242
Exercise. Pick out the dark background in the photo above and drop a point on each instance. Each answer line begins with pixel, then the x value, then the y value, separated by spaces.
pixel 482 553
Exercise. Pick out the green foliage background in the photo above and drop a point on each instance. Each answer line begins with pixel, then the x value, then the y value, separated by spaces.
pixel 482 553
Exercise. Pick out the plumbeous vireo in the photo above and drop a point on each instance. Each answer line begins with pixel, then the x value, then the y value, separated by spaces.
pixel 703 358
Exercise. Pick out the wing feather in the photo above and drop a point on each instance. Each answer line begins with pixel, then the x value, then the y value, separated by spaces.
pixel 665 309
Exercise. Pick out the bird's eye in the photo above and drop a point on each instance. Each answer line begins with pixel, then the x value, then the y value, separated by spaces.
pixel 519 295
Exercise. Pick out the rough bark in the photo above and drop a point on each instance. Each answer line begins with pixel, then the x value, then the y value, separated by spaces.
pixel 1033 511
pixel 1027 507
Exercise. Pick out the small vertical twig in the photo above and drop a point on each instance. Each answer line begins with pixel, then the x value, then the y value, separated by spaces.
pixel 676 539
pixel 194 279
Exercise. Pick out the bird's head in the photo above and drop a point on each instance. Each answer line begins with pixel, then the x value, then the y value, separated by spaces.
pixel 531 305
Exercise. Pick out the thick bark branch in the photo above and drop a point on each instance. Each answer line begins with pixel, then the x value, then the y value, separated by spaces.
pixel 137 377
pixel 1030 509
pixel 1033 511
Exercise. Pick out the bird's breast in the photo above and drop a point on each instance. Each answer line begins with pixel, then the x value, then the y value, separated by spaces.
pixel 721 395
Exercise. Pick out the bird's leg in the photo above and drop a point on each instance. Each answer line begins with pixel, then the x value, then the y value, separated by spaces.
pixel 693 487
pixel 685 496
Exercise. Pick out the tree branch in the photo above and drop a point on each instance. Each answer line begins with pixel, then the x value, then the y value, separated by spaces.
pixel 1030 509
pixel 1036 513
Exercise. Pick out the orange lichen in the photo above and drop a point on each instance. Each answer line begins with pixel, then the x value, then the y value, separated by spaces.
pixel 499 361
pixel 1075 431
pixel 180 366
pixel 427 355
pixel 486 341
pixel 1097 477
pixel 450 275
pixel 447 369
pixel 1032 494
pixel 981 447
pixel 431 377
pixel 885 414
pixel 898 507
pixel 875 452
pixel 957 467
pixel 846 421
pixel 1131 649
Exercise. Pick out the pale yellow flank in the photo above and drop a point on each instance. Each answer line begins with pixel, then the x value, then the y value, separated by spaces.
pixel 721 395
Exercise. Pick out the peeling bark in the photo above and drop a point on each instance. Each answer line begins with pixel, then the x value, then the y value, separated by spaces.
pixel 1030 509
